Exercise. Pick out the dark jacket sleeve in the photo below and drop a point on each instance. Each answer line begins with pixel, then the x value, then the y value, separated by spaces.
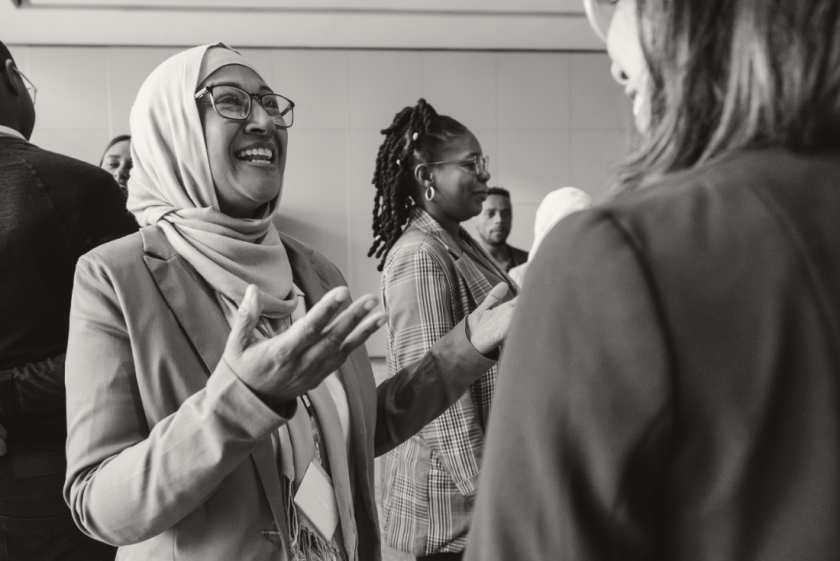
pixel 582 421
pixel 423 390
pixel 34 388
pixel 89 204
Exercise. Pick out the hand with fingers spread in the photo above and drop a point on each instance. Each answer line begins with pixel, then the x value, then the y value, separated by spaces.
pixel 488 324
pixel 288 365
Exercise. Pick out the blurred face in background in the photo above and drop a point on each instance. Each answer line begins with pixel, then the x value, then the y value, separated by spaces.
pixel 495 220
pixel 117 162
pixel 629 67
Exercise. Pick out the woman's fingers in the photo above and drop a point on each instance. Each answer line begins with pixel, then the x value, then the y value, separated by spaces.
pixel 354 323
pixel 246 320
pixel 310 328
pixel 363 331
pixel 347 321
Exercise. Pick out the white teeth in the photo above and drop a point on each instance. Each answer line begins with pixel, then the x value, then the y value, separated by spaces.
pixel 255 154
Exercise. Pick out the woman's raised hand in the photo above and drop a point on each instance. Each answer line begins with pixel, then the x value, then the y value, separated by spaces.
pixel 488 324
pixel 288 365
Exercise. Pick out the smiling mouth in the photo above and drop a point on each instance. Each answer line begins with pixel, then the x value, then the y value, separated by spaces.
pixel 257 156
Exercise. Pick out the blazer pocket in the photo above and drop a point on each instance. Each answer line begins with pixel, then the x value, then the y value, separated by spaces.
pixel 27 465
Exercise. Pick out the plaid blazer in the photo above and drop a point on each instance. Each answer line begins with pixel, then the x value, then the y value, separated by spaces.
pixel 429 482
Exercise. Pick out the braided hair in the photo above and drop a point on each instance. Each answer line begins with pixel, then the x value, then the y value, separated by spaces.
pixel 416 135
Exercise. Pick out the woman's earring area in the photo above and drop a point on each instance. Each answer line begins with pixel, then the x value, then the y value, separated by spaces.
pixel 430 192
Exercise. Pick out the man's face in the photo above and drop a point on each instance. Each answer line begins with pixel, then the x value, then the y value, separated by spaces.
pixel 493 224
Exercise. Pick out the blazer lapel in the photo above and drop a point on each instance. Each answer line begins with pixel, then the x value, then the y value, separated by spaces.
pixel 197 311
pixel 314 286
pixel 188 296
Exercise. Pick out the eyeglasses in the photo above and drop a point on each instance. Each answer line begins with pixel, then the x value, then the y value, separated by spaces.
pixel 600 14
pixel 234 103
pixel 30 87
pixel 479 163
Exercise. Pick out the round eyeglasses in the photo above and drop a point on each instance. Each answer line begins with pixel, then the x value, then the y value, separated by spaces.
pixel 600 14
pixel 235 103
pixel 479 163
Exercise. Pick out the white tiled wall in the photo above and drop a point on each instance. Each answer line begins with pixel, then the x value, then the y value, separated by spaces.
pixel 547 120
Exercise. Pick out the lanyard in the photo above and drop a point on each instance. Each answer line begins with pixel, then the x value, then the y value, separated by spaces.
pixel 316 433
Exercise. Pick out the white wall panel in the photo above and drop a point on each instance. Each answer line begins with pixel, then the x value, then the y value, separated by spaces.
pixel 317 82
pixel 533 163
pixel 533 90
pixel 380 83
pixel 127 70
pixel 72 87
pixel 598 103
pixel 462 85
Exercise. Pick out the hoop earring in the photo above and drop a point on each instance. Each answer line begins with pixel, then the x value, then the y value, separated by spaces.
pixel 430 192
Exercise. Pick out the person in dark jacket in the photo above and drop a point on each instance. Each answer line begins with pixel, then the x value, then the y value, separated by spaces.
pixel 671 385
pixel 53 209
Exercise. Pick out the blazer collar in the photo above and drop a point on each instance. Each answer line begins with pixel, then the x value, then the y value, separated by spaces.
pixel 190 298
pixel 423 221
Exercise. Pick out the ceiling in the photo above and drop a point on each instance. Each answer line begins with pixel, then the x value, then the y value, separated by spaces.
pixel 548 25
pixel 475 6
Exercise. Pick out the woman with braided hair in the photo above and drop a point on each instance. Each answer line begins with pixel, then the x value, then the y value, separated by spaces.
pixel 431 175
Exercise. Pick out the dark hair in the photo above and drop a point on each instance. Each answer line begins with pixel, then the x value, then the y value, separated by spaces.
pixel 728 75
pixel 416 135
pixel 498 191
pixel 115 140
pixel 5 55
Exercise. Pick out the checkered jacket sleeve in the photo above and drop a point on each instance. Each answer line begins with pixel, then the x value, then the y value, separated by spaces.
pixel 430 480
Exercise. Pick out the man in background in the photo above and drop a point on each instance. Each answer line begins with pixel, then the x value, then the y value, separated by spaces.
pixel 493 228
pixel 53 209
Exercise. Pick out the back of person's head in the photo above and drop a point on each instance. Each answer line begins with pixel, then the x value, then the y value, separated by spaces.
pixel 17 108
pixel 501 191
pixel 728 75
pixel 554 207
pixel 416 135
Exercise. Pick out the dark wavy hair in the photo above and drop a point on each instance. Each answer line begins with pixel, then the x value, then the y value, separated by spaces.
pixel 729 75
pixel 416 135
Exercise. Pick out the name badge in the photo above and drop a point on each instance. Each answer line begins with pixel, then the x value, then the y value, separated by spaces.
pixel 316 498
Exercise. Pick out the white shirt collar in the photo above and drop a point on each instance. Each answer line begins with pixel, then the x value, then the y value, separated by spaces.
pixel 6 131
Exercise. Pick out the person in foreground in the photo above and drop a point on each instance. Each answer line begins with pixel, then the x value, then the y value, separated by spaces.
pixel 210 416
pixel 430 177
pixel 116 160
pixel 53 210
pixel 670 389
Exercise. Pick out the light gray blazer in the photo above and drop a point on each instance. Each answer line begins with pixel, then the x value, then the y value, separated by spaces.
pixel 169 453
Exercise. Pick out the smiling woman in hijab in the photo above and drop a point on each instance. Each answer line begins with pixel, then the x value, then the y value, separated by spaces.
pixel 209 415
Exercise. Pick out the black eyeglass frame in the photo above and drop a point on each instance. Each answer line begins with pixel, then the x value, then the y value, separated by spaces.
pixel 251 97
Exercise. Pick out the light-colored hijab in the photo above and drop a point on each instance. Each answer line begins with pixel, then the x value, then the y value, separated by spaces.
pixel 554 207
pixel 171 185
